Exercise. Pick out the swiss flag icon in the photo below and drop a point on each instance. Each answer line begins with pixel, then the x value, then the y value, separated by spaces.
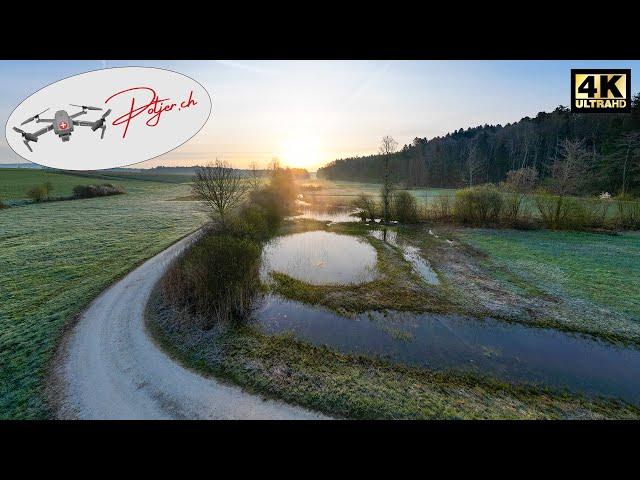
pixel 63 125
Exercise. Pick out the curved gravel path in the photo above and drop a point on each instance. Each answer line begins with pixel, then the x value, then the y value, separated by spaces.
pixel 109 368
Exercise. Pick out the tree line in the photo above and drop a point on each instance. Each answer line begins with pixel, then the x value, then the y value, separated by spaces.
pixel 485 154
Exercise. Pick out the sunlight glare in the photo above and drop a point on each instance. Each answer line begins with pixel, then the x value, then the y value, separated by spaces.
pixel 301 152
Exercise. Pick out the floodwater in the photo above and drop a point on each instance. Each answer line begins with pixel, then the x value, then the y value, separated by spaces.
pixel 508 351
pixel 321 258
pixel 410 253
pixel 333 214
pixel 512 352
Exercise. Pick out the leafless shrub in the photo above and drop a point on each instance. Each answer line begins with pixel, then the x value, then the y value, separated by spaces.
pixel 628 214
pixel 570 170
pixel 220 188
pixel 405 208
pixel 443 207
pixel 478 205
pixel 594 212
pixel 367 207
pixel 517 186
pixel 90 191
pixel 255 180
pixel 40 192
pixel 217 279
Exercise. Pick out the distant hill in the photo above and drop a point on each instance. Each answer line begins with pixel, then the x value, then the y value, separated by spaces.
pixel 297 172
pixel 20 165
pixel 155 174
pixel 163 170
pixel 486 153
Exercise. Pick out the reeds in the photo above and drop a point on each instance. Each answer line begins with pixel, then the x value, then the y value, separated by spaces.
pixel 628 214
pixel 217 278
pixel 404 207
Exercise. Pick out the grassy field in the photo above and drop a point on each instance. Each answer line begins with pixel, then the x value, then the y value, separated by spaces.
pixel 56 257
pixel 343 192
pixel 116 175
pixel 601 270
pixel 15 182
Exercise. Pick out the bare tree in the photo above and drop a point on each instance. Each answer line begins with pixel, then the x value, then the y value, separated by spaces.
pixel 529 141
pixel 274 164
pixel 629 143
pixel 221 188
pixel 387 148
pixel 420 170
pixel 473 165
pixel 570 169
pixel 518 185
pixel 254 176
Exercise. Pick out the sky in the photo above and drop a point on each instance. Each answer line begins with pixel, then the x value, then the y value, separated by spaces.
pixel 308 113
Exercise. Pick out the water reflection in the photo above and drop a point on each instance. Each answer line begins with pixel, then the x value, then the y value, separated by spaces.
pixel 333 214
pixel 508 351
pixel 321 258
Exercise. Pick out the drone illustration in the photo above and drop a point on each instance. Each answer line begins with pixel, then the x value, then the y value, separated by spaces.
pixel 62 124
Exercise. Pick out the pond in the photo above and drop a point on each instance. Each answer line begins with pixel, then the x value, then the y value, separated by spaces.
pixel 321 258
pixel 508 351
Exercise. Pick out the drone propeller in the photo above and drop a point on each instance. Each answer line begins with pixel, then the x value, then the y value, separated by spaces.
pixel 30 119
pixel 26 135
pixel 85 107
pixel 100 122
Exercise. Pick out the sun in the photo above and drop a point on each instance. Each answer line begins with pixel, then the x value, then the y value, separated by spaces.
pixel 301 152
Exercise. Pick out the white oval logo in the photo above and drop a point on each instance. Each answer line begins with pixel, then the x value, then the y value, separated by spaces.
pixel 108 118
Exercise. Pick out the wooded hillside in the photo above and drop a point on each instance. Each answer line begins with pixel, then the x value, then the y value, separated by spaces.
pixel 486 153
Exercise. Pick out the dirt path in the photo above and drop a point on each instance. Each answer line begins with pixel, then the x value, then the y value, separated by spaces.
pixel 109 368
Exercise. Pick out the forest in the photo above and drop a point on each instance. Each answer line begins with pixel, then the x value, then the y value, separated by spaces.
pixel 484 154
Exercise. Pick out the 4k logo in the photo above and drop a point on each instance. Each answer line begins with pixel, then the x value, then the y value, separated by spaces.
pixel 601 91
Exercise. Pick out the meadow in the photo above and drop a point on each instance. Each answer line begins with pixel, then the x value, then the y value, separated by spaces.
pixel 16 182
pixel 343 192
pixel 601 271
pixel 55 257
pixel 119 175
